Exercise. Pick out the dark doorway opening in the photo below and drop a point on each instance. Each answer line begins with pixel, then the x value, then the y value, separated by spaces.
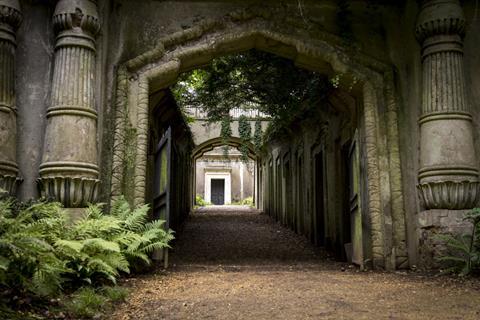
pixel 218 191
pixel 319 200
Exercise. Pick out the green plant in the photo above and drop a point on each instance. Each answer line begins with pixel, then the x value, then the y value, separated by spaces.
pixel 463 251
pixel 226 133
pixel 247 201
pixel 42 254
pixel 200 201
pixel 86 303
pixel 245 133
pixel 258 136
pixel 28 261
pixel 256 80
pixel 115 294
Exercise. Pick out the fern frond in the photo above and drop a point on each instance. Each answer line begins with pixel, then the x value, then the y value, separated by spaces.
pixel 101 245
pixel 120 208
pixel 137 219
pixel 73 245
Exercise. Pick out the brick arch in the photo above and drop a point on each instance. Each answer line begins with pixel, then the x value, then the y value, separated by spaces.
pixel 371 83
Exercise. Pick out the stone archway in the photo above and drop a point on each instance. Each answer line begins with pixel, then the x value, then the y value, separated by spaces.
pixel 217 142
pixel 233 142
pixel 372 81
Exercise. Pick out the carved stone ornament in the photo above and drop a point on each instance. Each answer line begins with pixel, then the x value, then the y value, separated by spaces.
pixel 72 192
pixel 69 171
pixel 448 176
pixel 76 14
pixel 10 19
pixel 440 18
pixel 450 194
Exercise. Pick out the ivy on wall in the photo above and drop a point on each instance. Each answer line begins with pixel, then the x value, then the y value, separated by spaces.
pixel 252 80
pixel 226 133
pixel 258 136
pixel 245 133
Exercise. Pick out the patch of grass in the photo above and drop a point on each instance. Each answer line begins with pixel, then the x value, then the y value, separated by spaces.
pixel 115 294
pixel 85 303
pixel 88 302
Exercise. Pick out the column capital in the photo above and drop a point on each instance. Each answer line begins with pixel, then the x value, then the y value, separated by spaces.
pixel 10 19
pixel 440 18
pixel 76 22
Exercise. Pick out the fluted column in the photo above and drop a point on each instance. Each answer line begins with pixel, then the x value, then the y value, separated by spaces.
pixel 448 176
pixel 10 19
pixel 69 171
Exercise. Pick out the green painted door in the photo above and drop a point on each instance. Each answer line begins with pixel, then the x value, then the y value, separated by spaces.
pixel 162 195
pixel 355 203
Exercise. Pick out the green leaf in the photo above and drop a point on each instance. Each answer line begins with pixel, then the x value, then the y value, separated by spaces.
pixel 4 263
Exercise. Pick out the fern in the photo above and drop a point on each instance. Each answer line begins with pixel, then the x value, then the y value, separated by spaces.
pixel 42 253
pixel 463 251
pixel 137 219
pixel 99 244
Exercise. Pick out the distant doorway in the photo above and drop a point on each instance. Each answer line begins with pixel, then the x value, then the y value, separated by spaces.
pixel 218 191
pixel 218 187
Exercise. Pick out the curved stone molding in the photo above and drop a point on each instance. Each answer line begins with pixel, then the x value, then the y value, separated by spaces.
pixel 440 17
pixel 72 192
pixel 448 175
pixel 451 195
pixel 10 19
pixel 71 15
pixel 69 171
pixel 243 30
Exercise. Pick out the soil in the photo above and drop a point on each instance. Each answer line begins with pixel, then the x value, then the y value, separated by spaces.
pixel 236 263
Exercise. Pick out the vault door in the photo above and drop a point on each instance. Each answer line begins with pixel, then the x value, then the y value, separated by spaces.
pixel 163 185
pixel 355 205
pixel 218 191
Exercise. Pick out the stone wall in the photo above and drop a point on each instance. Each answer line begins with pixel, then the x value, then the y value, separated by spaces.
pixel 130 29
pixel 241 187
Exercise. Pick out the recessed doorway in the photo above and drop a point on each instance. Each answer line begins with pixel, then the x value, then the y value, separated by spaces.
pixel 218 191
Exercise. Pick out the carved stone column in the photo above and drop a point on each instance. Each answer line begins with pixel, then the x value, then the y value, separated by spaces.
pixel 10 19
pixel 69 171
pixel 448 176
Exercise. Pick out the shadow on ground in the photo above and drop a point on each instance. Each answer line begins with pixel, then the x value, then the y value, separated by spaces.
pixel 239 235
pixel 235 263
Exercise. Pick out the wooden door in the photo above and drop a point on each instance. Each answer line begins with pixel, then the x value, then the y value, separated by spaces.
pixel 355 202
pixel 162 193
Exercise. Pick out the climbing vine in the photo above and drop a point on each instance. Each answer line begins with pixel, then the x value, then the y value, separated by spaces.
pixel 245 133
pixel 258 136
pixel 225 133
pixel 257 80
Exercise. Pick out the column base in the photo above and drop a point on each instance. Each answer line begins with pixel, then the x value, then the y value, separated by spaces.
pixel 452 195
pixel 432 224
pixel 72 192
pixel 9 184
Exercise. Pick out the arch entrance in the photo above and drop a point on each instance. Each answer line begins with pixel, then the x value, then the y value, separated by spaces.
pixel 368 80
pixel 222 176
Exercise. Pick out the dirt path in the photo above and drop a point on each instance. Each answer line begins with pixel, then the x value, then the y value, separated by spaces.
pixel 234 263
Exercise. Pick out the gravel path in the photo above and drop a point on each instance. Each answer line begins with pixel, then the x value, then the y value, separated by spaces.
pixel 235 263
